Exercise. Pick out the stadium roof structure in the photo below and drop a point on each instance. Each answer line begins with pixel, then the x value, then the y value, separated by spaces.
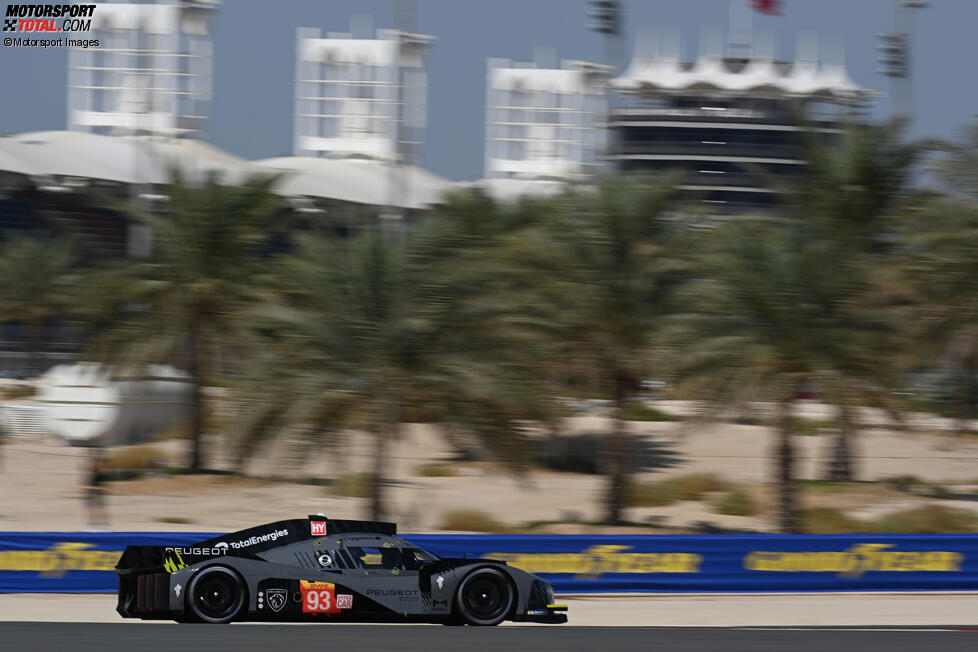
pixel 120 159
pixel 148 160
pixel 761 76
pixel 360 181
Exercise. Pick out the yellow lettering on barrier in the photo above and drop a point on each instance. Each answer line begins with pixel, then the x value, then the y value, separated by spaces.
pixel 596 560
pixel 58 559
pixel 854 562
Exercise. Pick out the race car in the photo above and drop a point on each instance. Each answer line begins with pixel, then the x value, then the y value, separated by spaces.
pixel 324 570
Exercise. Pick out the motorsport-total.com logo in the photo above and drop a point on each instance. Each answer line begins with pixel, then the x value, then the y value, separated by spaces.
pixel 48 18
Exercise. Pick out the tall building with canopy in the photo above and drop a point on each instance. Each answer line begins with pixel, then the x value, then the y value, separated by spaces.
pixel 729 122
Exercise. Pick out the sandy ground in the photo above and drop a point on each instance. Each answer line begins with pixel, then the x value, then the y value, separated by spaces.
pixel 666 610
pixel 41 477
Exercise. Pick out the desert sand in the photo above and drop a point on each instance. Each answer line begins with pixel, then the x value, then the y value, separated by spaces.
pixel 41 479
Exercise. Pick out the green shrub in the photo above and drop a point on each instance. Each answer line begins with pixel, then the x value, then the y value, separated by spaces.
pixel 641 411
pixel 903 481
pixel 914 485
pixel 436 471
pixel 812 427
pixel 353 485
pixel 470 520
pixel 928 520
pixel 665 492
pixel 824 520
pixel 825 486
pixel 736 503
pixel 649 494
pixel 696 485
pixel 136 458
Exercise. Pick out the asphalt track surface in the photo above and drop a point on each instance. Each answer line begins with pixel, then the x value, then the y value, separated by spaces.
pixel 86 637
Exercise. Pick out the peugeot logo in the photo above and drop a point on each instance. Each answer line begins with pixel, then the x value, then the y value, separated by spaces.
pixel 277 599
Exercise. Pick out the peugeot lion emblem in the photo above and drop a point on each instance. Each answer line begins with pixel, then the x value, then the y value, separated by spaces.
pixel 277 599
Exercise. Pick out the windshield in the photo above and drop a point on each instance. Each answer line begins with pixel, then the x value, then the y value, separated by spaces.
pixel 421 556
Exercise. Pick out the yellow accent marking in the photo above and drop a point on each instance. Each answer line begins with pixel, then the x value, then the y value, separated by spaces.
pixel 556 606
pixel 316 586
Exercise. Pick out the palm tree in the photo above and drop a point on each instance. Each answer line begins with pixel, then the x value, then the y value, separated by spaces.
pixel 959 169
pixel 941 267
pixel 753 331
pixel 182 303
pixel 845 199
pixel 36 278
pixel 791 301
pixel 603 274
pixel 942 238
pixel 370 328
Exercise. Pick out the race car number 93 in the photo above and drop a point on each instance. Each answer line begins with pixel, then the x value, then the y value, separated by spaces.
pixel 318 601
pixel 318 597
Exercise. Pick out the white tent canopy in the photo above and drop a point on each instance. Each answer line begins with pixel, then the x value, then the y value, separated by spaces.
pixel 122 159
pixel 357 181
pixel 143 160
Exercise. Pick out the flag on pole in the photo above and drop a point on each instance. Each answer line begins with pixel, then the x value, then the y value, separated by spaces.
pixel 772 7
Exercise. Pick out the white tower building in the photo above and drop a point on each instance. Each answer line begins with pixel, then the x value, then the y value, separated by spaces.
pixel 543 124
pixel 151 73
pixel 360 98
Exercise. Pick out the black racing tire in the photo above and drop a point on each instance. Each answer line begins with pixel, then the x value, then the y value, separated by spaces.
pixel 485 597
pixel 216 595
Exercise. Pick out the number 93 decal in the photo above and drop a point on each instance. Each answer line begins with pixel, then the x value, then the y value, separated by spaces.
pixel 321 598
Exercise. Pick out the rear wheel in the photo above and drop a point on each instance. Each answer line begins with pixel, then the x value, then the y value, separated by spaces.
pixel 485 597
pixel 216 595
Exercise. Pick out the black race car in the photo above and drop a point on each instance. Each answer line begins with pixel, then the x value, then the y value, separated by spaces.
pixel 324 570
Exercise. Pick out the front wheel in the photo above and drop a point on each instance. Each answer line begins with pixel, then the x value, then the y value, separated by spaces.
pixel 215 595
pixel 485 597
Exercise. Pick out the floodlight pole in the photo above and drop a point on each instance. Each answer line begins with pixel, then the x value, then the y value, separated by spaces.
pixel 607 17
pixel 896 57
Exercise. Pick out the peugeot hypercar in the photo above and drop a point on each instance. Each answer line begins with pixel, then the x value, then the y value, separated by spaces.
pixel 324 570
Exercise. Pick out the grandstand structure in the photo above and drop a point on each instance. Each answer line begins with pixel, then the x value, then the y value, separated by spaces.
pixel 138 108
pixel 543 125
pixel 151 74
pixel 361 98
pixel 728 122
pixel 360 115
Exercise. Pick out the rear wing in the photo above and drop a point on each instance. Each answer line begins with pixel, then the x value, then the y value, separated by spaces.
pixel 140 559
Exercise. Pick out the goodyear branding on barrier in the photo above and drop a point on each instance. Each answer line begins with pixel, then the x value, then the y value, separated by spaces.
pixel 602 559
pixel 84 562
pixel 59 558
pixel 855 561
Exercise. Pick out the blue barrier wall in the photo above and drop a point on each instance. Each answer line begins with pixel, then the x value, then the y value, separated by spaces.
pixel 71 562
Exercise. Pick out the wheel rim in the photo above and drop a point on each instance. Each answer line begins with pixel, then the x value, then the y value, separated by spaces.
pixel 217 595
pixel 486 597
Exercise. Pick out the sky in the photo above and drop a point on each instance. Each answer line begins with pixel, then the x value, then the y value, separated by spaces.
pixel 254 61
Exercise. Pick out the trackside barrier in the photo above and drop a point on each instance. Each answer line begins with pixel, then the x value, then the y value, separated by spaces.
pixel 72 562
